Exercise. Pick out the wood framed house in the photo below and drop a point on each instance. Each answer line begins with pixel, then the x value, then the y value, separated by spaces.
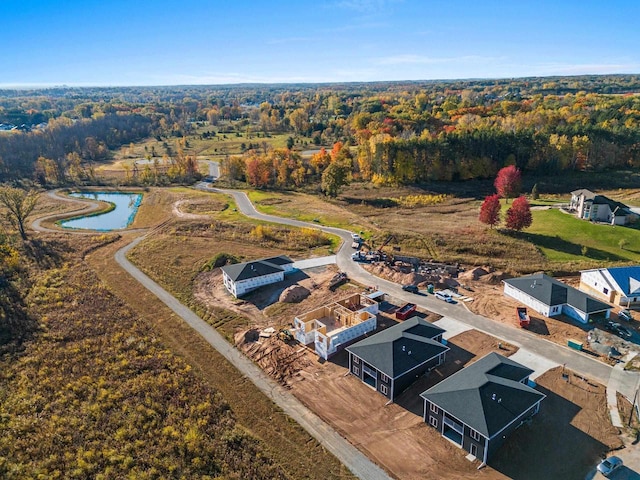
pixel 477 407
pixel 550 297
pixel 241 278
pixel 618 285
pixel 337 324
pixel 392 359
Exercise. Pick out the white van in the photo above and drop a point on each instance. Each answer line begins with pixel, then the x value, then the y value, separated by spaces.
pixel 444 296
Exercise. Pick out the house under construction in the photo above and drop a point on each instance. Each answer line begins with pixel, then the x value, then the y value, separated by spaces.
pixel 337 324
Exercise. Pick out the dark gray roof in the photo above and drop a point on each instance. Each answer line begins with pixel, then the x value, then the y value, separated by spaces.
pixel 617 208
pixel 400 348
pixel 553 292
pixel 487 395
pixel 246 270
pixel 279 260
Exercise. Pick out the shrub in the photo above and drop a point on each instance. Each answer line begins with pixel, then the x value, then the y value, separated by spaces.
pixel 219 260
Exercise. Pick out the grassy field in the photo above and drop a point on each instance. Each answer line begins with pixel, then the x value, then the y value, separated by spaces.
pixel 449 230
pixel 97 393
pixel 563 239
pixel 308 208
pixel 174 258
pixel 225 142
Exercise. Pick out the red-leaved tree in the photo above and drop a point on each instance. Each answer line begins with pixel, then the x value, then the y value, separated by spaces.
pixel 519 215
pixel 508 182
pixel 490 210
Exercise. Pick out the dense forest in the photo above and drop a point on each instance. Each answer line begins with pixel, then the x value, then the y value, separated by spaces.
pixel 396 132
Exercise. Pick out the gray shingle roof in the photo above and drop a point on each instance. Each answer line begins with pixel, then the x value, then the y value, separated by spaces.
pixel 279 260
pixel 487 395
pixel 553 292
pixel 246 270
pixel 587 194
pixel 400 348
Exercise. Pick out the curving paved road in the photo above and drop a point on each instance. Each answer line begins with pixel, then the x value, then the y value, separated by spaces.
pixel 350 456
pixel 579 363
pixel 358 463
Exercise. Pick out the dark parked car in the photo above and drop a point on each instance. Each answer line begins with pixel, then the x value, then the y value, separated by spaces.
pixel 410 288
pixel 618 329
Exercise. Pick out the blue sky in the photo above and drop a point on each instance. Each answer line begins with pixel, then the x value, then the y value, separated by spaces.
pixel 163 42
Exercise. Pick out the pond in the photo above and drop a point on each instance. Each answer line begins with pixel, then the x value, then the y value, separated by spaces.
pixel 125 207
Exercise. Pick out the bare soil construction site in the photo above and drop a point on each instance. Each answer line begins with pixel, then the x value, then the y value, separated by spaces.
pixel 394 434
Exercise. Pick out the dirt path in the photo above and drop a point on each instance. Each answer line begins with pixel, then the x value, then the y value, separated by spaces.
pixel 175 208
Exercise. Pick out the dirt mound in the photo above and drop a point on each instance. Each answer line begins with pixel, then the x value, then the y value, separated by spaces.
pixel 494 278
pixel 294 294
pixel 473 274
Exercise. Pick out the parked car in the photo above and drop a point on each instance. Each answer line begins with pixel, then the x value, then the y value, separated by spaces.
pixel 355 237
pixel 609 465
pixel 410 288
pixel 618 329
pixel 625 315
pixel 444 296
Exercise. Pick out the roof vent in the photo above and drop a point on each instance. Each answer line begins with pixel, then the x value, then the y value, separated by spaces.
pixel 409 352
pixel 403 348
pixel 493 396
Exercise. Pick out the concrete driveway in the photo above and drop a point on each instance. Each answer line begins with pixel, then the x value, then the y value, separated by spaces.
pixel 630 470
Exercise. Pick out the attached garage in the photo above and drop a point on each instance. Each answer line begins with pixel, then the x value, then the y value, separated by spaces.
pixel 550 297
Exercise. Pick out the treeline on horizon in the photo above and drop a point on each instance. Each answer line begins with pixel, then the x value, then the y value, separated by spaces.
pixel 401 132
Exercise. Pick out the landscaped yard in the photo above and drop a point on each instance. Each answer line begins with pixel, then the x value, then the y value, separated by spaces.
pixel 562 237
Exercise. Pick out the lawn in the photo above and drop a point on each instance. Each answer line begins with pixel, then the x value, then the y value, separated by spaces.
pixel 562 238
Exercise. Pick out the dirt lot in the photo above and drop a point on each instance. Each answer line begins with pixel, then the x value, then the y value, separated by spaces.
pixel 569 435
pixel 489 301
pixel 394 435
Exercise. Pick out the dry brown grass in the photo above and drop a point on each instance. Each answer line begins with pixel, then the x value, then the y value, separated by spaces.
pixel 298 453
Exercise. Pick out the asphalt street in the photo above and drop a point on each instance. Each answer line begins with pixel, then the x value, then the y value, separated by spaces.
pixel 553 353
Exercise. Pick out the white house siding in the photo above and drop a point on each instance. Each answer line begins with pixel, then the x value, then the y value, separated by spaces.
pixel 531 302
pixel 244 286
pixel 575 313
pixel 287 267
pixel 327 345
pixel 593 281
pixel 304 332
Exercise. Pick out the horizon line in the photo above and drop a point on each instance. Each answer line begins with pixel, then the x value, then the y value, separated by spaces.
pixel 44 86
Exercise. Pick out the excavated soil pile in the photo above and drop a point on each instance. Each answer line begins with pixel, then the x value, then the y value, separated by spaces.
pixel 278 359
pixel 473 274
pixel 294 294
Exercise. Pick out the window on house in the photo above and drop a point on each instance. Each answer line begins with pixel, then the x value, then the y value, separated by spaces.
pixel 356 370
pixel 384 389
pixel 434 408
pixel 605 290
pixel 356 360
pixel 383 378
pixel 433 421
pixel 475 435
